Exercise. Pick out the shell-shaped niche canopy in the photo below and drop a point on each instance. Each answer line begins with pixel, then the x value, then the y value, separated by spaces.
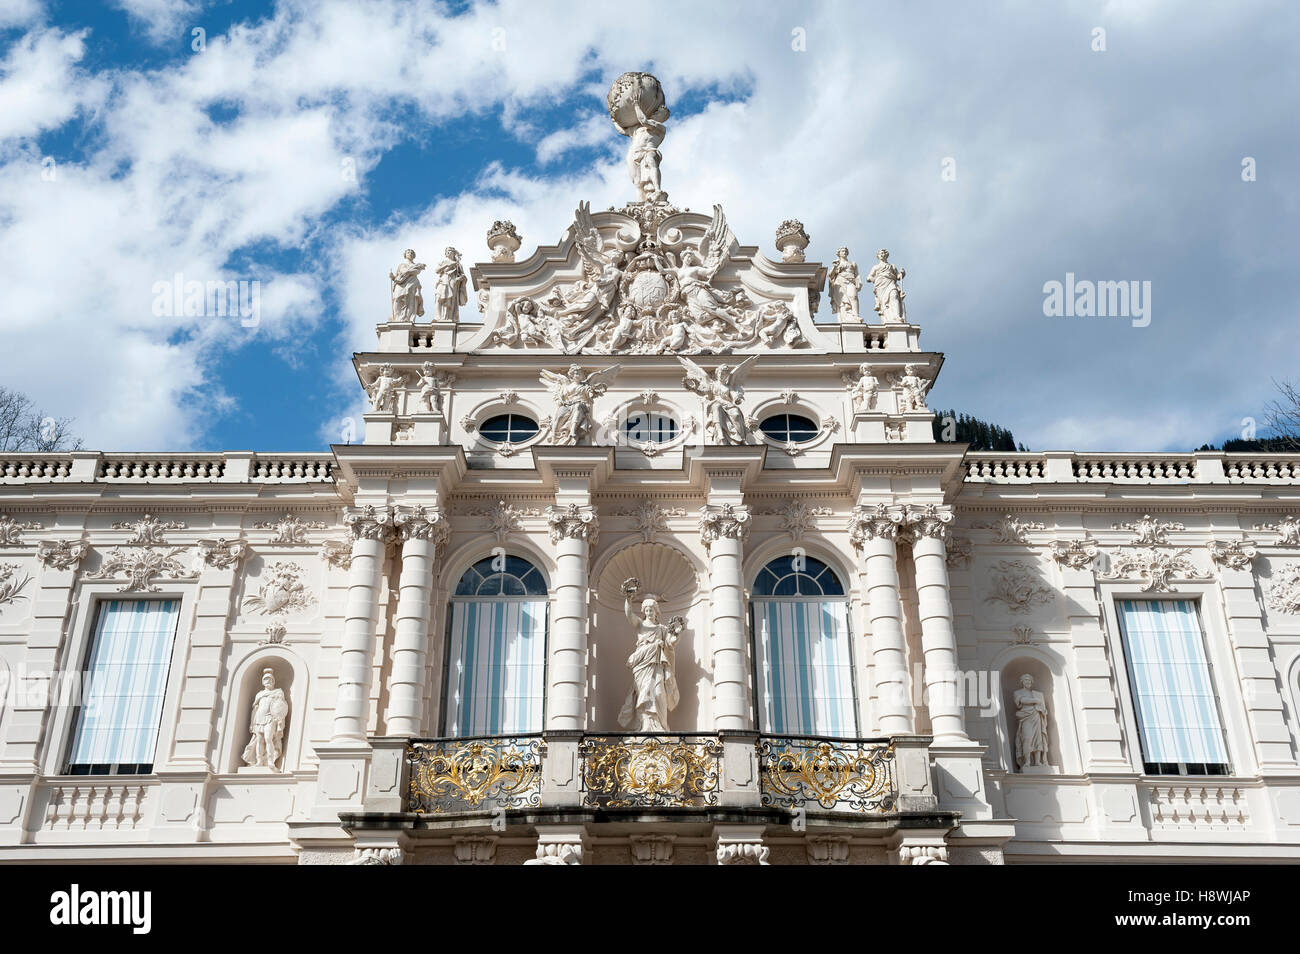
pixel 662 570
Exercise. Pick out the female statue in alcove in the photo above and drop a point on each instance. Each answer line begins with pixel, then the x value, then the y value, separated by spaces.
pixel 1031 724
pixel 654 691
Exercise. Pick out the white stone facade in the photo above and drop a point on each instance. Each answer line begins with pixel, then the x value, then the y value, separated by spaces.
pixel 336 572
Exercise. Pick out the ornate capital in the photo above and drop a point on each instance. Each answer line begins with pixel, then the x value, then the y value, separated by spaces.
pixel 743 853
pixel 1233 554
pixel 1076 554
pixel 928 521
pixel 61 554
pixel 574 520
pixel 868 523
pixel 727 520
pixel 222 553
pixel 369 523
pixel 423 523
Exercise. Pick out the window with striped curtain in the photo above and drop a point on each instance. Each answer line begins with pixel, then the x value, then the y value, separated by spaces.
pixel 804 651
pixel 1177 712
pixel 496 650
pixel 116 729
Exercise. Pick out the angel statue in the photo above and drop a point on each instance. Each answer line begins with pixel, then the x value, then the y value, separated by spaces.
pixel 270 710
pixel 590 298
pixel 654 691
pixel 404 286
pixel 863 389
pixel 450 292
pixel 845 284
pixel 722 394
pixel 884 277
pixel 383 391
pixel 697 270
pixel 574 394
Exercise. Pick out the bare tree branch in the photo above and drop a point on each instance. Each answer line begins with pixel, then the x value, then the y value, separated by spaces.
pixel 25 428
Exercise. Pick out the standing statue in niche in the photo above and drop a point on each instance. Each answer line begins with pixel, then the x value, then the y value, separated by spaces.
pixel 845 284
pixel 404 286
pixel 722 393
pixel 270 710
pixel 1031 724
pixel 654 691
pixel 637 109
pixel 575 394
pixel 450 291
pixel 884 277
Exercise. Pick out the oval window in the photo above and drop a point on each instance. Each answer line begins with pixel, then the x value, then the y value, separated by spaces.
pixel 647 427
pixel 789 428
pixel 508 428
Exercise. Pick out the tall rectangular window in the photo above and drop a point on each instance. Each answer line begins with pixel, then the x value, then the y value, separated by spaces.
pixel 497 667
pixel 1177 714
pixel 805 665
pixel 116 730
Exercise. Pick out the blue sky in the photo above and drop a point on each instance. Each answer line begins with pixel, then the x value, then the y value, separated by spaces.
pixel 304 145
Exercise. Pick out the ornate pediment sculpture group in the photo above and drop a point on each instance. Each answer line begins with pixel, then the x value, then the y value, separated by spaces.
pixel 637 296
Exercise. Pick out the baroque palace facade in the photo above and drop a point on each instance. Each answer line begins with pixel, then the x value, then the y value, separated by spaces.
pixel 645 566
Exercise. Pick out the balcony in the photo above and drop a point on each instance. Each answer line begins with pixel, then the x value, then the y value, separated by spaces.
pixel 618 775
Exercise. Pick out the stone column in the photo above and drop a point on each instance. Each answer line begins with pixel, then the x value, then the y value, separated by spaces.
pixel 723 528
pixel 573 532
pixel 929 526
pixel 873 532
pixel 371 529
pixel 422 532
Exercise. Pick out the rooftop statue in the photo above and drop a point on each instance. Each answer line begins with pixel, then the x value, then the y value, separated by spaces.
pixel 404 286
pixel 884 277
pixel 636 106
pixel 450 292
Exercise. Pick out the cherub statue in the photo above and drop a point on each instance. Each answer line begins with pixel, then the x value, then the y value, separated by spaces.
pixel 383 391
pixel 723 393
pixel 777 322
pixel 845 283
pixel 654 691
pixel 450 291
pixel 270 710
pixel 589 299
pixel 574 394
pixel 863 389
pixel 404 286
pixel 912 389
pixel 432 384
pixel 696 272
pixel 884 277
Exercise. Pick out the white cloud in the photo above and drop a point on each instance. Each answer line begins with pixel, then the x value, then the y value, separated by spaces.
pixel 1115 166
pixel 162 20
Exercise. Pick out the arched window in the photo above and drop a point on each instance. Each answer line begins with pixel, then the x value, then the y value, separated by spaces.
pixel 496 650
pixel 651 427
pixel 803 649
pixel 508 428
pixel 789 428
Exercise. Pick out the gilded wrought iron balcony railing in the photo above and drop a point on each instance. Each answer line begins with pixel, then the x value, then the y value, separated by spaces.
pixel 859 777
pixel 474 774
pixel 844 775
pixel 650 771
